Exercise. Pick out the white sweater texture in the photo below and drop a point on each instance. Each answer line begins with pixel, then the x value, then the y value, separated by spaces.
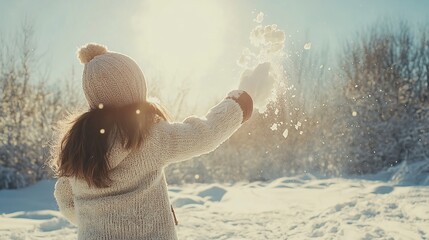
pixel 136 204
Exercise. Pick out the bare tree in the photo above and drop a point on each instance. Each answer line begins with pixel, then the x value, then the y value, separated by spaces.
pixel 387 92
pixel 28 110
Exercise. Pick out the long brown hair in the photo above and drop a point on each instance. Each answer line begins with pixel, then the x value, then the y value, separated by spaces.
pixel 83 150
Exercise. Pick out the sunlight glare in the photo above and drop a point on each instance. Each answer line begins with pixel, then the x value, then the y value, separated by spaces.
pixel 183 36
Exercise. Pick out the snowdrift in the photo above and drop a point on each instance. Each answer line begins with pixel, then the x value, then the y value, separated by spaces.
pixel 390 205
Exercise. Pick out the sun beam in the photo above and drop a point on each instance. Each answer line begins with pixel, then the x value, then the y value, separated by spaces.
pixel 183 36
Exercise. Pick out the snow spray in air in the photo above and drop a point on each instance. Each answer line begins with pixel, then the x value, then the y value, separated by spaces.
pixel 262 68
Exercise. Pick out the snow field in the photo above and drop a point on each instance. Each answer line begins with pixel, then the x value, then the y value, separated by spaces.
pixel 301 207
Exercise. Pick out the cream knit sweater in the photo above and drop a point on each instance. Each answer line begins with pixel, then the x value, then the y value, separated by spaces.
pixel 136 205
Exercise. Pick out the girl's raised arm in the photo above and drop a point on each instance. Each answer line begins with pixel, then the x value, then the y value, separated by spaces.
pixel 196 136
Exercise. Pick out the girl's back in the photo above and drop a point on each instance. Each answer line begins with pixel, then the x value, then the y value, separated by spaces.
pixel 135 204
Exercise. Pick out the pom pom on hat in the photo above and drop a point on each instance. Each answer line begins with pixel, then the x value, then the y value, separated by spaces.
pixel 91 50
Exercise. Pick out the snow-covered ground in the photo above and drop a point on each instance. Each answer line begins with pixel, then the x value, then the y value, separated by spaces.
pixel 301 207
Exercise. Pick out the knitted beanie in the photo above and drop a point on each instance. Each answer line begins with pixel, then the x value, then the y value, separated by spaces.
pixel 109 78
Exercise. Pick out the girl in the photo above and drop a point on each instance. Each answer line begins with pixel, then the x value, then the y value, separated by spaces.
pixel 110 159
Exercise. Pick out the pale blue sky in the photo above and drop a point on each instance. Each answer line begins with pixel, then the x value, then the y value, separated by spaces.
pixel 62 26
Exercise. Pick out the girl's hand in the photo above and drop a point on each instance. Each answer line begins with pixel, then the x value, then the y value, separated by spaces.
pixel 258 83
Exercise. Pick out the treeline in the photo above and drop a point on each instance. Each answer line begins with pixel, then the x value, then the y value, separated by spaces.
pixel 29 110
pixel 358 113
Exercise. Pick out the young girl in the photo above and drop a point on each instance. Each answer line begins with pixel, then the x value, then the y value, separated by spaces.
pixel 110 159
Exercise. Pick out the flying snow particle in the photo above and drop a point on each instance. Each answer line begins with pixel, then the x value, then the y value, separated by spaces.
pixel 301 132
pixel 276 111
pixel 354 113
pixel 259 18
pixel 297 125
pixel 100 106
pixel 274 127
pixel 138 111
pixel 307 46
pixel 285 133
pixel 197 176
pixel 102 131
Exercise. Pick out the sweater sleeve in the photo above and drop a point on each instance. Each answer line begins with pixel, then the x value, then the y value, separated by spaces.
pixel 64 196
pixel 196 136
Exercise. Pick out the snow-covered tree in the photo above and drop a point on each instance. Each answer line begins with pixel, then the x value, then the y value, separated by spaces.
pixel 28 112
pixel 387 74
